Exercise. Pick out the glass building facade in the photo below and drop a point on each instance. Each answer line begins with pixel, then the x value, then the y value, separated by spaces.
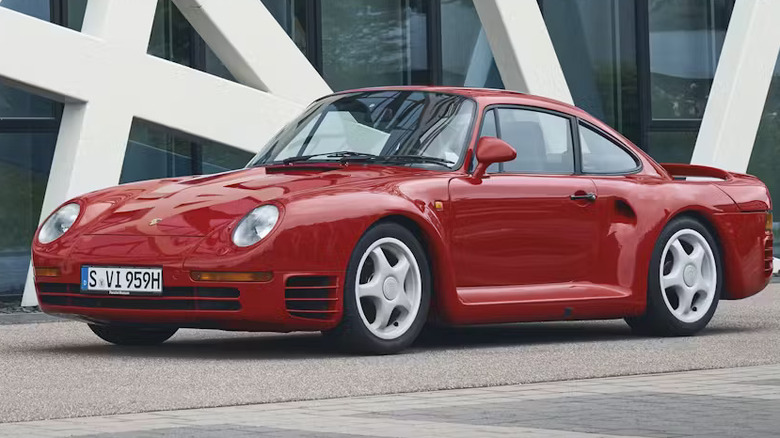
pixel 643 66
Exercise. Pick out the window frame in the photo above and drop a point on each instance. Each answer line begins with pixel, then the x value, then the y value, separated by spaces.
pixel 611 139
pixel 573 132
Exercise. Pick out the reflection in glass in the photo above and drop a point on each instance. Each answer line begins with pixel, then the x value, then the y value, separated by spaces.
pixel 35 8
pixel 173 38
pixel 157 152
pixel 686 37
pixel 291 15
pixel 672 146
pixel 596 45
pixel 25 160
pixel 381 42
pixel 74 13
pixel 396 127
pixel 467 59
pixel 765 159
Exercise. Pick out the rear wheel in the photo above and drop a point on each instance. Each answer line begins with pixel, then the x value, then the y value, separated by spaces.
pixel 684 283
pixel 386 292
pixel 120 335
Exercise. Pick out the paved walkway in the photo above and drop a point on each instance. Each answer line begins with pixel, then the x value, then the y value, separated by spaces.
pixel 734 402
pixel 59 370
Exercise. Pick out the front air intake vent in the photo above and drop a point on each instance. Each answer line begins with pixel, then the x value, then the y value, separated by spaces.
pixel 312 297
pixel 172 298
pixel 768 256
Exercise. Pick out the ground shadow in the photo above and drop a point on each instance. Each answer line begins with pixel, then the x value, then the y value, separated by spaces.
pixel 315 346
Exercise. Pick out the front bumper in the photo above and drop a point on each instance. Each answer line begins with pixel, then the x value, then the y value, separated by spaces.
pixel 291 301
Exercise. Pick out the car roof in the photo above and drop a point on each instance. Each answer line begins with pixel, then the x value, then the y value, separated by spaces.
pixel 492 96
pixel 488 96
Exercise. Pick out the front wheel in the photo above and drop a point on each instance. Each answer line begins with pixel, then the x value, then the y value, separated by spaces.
pixel 685 281
pixel 386 294
pixel 120 335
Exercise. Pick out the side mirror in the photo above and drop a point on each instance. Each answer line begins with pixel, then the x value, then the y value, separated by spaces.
pixel 492 150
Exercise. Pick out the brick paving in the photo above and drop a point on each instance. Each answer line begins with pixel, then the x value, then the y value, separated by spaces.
pixel 731 402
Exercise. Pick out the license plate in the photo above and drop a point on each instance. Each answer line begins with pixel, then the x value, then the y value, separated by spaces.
pixel 121 281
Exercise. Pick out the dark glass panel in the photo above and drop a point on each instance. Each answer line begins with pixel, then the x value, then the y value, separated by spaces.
pixel 172 35
pixel 686 37
pixel 156 152
pixel 74 13
pixel 596 44
pixel 765 159
pixel 466 57
pixel 381 42
pixel 672 146
pixel 34 8
pixel 173 38
pixel 291 15
pixel 25 160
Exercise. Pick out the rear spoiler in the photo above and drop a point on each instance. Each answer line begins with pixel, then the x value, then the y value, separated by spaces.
pixel 747 191
pixel 685 170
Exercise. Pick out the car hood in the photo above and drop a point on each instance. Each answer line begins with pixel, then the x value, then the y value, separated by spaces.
pixel 197 206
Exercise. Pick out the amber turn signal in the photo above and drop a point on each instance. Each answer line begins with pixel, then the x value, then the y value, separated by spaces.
pixel 47 272
pixel 232 276
pixel 769 221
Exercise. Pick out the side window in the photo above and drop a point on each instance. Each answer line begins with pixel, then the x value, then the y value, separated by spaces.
pixel 601 155
pixel 543 141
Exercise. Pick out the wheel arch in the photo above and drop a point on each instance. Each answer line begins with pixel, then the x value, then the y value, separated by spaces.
pixel 432 239
pixel 707 221
pixel 703 218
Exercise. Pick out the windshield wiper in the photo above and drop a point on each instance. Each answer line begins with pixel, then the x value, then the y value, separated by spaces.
pixel 343 155
pixel 417 159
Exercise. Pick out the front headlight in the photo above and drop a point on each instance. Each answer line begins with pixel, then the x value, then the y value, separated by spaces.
pixel 256 225
pixel 59 223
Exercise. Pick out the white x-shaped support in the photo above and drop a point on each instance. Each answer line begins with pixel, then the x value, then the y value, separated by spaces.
pixel 106 78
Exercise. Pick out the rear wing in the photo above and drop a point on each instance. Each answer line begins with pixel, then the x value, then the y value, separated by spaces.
pixel 679 171
pixel 747 191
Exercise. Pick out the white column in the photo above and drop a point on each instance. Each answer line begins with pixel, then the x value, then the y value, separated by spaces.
pixel 521 45
pixel 739 91
pixel 93 136
pixel 254 47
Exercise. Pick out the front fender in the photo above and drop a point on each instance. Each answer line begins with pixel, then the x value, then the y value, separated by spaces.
pixel 318 233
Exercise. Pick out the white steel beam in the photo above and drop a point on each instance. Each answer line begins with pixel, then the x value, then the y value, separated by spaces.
pixel 93 136
pixel 234 31
pixel 739 90
pixel 521 45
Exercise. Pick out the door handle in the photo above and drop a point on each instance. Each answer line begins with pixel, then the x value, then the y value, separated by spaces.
pixel 583 196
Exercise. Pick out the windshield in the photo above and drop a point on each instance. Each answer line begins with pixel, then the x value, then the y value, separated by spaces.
pixel 398 127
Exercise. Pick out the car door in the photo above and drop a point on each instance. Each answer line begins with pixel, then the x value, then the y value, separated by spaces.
pixel 614 170
pixel 532 220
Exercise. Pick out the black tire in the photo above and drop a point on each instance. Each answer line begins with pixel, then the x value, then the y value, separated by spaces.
pixel 122 335
pixel 658 319
pixel 351 334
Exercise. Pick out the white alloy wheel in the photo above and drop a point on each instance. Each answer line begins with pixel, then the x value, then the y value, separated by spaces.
pixel 388 288
pixel 688 275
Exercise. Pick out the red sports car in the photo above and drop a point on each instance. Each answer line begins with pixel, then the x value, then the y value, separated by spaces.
pixel 380 210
